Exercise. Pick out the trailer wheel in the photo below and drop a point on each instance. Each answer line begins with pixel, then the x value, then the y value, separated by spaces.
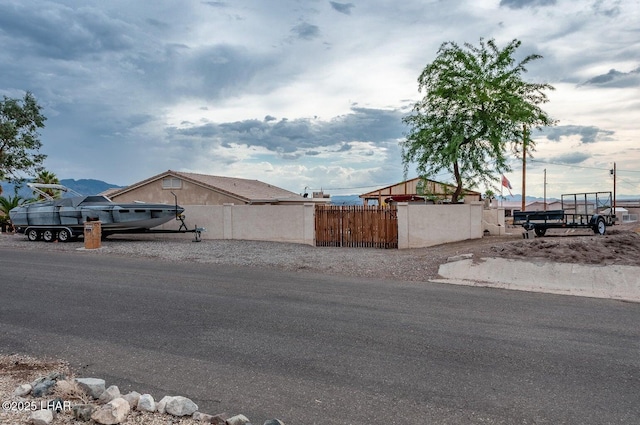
pixel 64 235
pixel 33 235
pixel 601 227
pixel 48 235
pixel 540 231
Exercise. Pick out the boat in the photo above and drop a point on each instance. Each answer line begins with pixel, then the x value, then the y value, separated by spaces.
pixel 63 218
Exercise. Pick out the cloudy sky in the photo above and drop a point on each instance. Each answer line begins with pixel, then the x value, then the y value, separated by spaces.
pixel 308 93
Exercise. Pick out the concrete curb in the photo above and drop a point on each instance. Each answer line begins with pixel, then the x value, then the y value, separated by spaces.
pixel 611 281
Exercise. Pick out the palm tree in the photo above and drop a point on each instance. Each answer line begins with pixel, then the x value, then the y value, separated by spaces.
pixel 47 177
pixel 6 205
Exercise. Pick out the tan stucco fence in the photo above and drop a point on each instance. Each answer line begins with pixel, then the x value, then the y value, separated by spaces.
pixel 418 225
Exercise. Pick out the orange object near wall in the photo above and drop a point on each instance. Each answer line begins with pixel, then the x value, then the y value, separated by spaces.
pixel 92 234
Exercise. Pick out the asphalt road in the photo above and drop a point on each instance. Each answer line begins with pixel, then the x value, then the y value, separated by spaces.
pixel 315 349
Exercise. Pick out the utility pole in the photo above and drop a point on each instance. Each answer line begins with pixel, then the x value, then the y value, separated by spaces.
pixel 613 172
pixel 524 165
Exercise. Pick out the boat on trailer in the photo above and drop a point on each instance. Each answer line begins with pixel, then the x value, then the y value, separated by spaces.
pixel 63 218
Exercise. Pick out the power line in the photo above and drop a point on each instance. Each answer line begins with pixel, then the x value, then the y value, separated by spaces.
pixel 582 166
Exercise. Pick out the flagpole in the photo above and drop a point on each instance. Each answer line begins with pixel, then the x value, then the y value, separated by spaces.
pixel 524 165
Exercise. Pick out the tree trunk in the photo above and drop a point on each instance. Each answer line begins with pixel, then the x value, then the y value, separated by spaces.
pixel 458 191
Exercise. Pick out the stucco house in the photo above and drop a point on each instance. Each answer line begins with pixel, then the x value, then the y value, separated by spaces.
pixel 417 190
pixel 204 189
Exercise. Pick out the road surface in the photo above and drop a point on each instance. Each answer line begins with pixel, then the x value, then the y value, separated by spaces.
pixel 315 349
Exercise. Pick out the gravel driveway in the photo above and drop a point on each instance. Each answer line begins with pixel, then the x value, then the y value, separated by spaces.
pixel 409 265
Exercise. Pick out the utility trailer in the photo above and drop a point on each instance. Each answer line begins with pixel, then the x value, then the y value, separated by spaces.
pixel 593 210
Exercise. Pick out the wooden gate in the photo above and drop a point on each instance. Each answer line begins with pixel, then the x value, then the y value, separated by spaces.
pixel 356 226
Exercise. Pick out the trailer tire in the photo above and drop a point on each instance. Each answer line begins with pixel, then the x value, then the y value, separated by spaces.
pixel 48 235
pixel 33 235
pixel 540 231
pixel 600 227
pixel 64 235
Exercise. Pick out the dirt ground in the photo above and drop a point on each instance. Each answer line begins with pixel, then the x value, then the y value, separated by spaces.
pixel 620 245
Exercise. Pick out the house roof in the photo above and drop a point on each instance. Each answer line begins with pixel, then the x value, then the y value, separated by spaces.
pixel 249 191
pixel 387 190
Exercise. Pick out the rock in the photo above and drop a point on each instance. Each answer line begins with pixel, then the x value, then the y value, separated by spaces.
pixel 37 381
pixel 132 398
pixel 109 394
pixel 210 419
pixel 22 390
pixel 83 412
pixel 112 413
pixel 180 406
pixel 146 403
pixel 163 403
pixel 65 387
pixel 92 386
pixel 43 388
pixel 41 417
pixel 238 420
pixel 57 405
pixel 459 257
pixel 274 422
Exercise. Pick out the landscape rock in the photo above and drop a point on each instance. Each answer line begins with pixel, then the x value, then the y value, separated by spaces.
pixel 146 403
pixel 180 406
pixel 459 257
pixel 109 394
pixel 43 388
pixel 92 386
pixel 132 398
pixel 238 420
pixel 41 417
pixel 83 412
pixel 163 403
pixel 112 413
pixel 274 422
pixel 22 390
pixel 65 386
pixel 210 419
pixel 37 381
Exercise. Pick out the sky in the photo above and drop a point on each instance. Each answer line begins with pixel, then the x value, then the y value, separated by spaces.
pixel 310 94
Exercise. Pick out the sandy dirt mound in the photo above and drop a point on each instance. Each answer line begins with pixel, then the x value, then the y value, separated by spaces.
pixel 621 245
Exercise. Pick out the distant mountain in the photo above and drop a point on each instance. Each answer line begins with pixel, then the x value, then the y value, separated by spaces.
pixel 88 186
pixel 346 200
pixel 82 186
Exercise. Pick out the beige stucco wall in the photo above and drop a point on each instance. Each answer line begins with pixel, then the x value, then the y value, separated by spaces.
pixel 188 194
pixel 420 226
pixel 493 221
pixel 279 223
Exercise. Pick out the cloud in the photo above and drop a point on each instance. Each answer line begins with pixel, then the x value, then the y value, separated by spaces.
pixel 570 158
pixel 306 31
pixel 342 7
pixel 588 134
pixel 61 32
pixel 220 4
pixel 519 4
pixel 303 134
pixel 615 78
pixel 610 8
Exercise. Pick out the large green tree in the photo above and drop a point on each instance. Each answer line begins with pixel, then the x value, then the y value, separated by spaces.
pixel 476 108
pixel 20 120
